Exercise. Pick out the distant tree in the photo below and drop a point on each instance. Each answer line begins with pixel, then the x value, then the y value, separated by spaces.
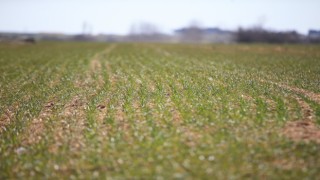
pixel 258 34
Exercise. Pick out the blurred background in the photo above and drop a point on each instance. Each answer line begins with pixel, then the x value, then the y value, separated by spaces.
pixel 173 21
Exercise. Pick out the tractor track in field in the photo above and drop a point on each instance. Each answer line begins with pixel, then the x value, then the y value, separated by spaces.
pixel 102 106
pixel 72 118
pixel 306 93
pixel 77 107
pixel 305 129
pixel 71 126
pixel 35 131
pixel 310 95
pixel 96 65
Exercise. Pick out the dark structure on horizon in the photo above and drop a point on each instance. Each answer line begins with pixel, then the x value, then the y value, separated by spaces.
pixel 259 35
pixel 314 36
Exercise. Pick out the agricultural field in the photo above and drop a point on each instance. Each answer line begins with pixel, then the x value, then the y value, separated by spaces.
pixel 159 111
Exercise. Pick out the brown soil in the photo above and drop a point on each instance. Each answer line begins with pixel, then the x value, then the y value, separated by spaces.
pixel 34 133
pixel 6 118
pixel 71 126
pixel 305 129
pixel 176 115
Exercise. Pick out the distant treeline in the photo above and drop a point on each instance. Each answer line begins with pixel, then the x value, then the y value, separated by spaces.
pixel 192 34
pixel 255 35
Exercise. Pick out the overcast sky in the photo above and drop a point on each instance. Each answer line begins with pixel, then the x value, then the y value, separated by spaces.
pixel 117 16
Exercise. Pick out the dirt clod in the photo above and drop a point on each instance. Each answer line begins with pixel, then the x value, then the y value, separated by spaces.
pixel 101 106
pixel 49 104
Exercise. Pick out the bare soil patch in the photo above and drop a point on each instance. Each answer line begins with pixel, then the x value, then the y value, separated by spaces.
pixel 305 129
pixel 70 128
pixel 35 132
pixel 176 115
pixel 6 118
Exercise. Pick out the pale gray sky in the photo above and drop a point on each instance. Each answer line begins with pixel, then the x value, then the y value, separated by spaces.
pixel 116 16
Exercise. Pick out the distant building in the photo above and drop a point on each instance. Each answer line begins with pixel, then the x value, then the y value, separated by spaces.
pixel 314 36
